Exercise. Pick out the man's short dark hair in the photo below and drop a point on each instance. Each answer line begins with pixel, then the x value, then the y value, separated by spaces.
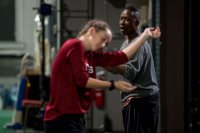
pixel 134 10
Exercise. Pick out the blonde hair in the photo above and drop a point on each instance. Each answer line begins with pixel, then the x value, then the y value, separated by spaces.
pixel 99 25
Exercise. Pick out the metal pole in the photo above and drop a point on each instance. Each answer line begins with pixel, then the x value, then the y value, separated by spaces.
pixel 43 53
pixel 58 25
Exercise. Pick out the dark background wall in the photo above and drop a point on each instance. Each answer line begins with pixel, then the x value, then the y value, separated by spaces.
pixel 192 33
pixel 180 80
pixel 172 66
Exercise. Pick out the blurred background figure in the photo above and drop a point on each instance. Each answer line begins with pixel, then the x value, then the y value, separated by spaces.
pixel 27 68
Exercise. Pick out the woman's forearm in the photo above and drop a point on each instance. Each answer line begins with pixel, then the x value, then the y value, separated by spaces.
pixel 95 83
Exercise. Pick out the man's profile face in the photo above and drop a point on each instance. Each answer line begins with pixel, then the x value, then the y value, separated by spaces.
pixel 127 23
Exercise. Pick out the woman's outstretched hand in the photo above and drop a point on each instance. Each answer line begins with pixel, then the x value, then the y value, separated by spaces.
pixel 124 86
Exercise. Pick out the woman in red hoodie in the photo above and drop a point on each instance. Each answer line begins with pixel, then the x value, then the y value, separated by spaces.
pixel 73 76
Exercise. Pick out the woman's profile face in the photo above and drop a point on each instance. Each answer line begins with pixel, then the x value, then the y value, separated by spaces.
pixel 100 39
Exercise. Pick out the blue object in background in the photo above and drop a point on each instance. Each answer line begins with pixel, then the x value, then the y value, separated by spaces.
pixel 21 93
pixel 14 93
